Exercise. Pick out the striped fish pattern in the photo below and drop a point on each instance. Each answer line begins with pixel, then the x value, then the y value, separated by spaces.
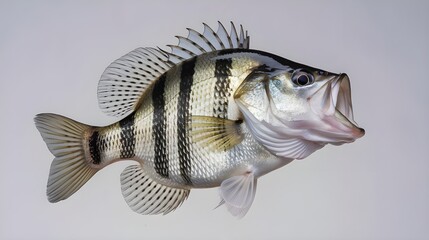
pixel 195 117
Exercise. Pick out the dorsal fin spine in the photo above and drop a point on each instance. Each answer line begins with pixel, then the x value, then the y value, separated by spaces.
pixel 196 43
pixel 201 37
pixel 170 56
pixel 214 35
pixel 222 31
pixel 202 50
pixel 234 36
pixel 241 36
pixel 177 50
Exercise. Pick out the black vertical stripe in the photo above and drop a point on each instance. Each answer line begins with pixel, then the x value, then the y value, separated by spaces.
pixel 183 114
pixel 94 148
pixel 159 127
pixel 128 137
pixel 222 90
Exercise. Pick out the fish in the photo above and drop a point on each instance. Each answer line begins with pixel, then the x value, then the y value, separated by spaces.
pixel 211 112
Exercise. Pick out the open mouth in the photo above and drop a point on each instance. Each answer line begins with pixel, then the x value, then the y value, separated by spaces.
pixel 341 94
pixel 341 97
pixel 335 103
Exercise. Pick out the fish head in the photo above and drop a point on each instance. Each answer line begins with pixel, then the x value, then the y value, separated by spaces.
pixel 301 105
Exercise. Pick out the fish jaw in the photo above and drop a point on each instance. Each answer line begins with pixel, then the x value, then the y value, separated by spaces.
pixel 333 105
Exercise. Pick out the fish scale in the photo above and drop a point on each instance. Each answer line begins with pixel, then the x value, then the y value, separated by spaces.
pixel 222 90
pixel 127 138
pixel 210 113
pixel 183 117
pixel 159 129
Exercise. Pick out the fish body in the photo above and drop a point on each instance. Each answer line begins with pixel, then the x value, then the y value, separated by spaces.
pixel 211 113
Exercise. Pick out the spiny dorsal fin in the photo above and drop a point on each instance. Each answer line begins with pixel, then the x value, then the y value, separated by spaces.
pixel 124 81
pixel 196 43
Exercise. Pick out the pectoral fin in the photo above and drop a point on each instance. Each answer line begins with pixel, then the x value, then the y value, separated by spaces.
pixel 237 193
pixel 218 134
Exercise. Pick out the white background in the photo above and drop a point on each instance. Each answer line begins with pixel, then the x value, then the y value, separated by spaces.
pixel 53 53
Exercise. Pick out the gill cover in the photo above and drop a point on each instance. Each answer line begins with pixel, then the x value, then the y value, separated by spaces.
pixel 253 99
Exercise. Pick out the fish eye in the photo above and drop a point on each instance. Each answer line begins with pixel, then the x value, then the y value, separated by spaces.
pixel 301 78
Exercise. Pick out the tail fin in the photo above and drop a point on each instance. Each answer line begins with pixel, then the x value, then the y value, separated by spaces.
pixel 69 170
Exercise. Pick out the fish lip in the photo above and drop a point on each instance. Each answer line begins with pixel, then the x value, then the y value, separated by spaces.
pixel 341 94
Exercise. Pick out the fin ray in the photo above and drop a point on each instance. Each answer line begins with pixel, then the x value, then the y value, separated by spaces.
pixel 181 51
pixel 191 45
pixel 238 193
pixel 224 36
pixel 196 43
pixel 145 196
pixel 125 80
pixel 69 169
pixel 234 37
pixel 217 134
pixel 199 39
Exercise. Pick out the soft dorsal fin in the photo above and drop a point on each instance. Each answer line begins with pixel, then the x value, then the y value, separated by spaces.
pixel 125 80
pixel 196 43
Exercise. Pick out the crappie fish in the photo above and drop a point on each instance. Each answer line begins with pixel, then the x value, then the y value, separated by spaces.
pixel 210 113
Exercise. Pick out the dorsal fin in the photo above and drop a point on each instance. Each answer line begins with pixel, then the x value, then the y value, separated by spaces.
pixel 196 43
pixel 125 80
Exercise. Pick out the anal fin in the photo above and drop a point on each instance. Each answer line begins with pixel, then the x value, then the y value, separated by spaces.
pixel 145 196
pixel 238 193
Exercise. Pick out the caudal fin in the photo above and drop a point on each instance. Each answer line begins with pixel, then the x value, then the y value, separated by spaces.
pixel 69 169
